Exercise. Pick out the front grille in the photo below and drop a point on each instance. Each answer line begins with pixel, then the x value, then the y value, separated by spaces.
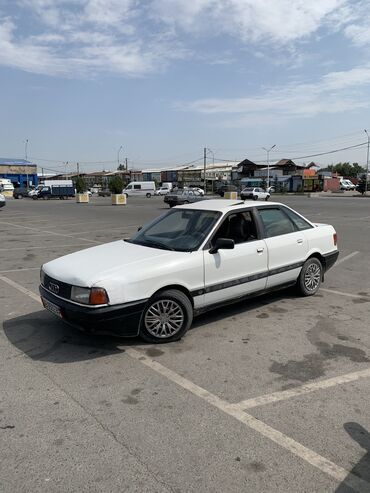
pixel 58 288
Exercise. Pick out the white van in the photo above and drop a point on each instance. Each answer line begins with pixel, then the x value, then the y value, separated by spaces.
pixel 139 188
pixel 6 185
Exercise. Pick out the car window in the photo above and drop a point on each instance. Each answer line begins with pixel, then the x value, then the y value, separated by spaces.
pixel 137 187
pixel 276 222
pixel 300 223
pixel 179 229
pixel 239 227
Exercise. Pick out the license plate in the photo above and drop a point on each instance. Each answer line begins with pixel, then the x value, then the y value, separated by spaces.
pixel 54 309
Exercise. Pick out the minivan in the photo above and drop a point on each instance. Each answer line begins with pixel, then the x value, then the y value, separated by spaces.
pixel 139 188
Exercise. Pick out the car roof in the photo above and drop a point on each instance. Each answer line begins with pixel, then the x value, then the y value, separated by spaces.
pixel 222 205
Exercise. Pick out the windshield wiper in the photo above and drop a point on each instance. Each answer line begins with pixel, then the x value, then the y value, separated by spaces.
pixel 155 244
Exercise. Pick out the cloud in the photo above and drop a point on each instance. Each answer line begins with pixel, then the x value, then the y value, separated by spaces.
pixel 133 38
pixel 334 93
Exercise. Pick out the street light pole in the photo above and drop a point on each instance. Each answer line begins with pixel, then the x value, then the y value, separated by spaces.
pixel 25 155
pixel 268 164
pixel 119 150
pixel 213 164
pixel 205 166
pixel 367 161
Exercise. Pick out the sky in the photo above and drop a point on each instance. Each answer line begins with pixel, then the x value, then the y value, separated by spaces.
pixel 166 78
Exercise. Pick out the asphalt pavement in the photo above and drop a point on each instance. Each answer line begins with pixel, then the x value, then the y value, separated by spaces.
pixel 270 395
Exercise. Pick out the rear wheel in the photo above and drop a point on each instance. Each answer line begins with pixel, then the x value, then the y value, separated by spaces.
pixel 19 196
pixel 309 280
pixel 166 318
pixel 255 197
pixel 148 195
pixel 267 198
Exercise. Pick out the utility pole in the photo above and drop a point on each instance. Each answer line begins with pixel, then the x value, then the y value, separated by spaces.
pixel 126 164
pixel 78 169
pixel 25 155
pixel 367 161
pixel 119 150
pixel 205 167
pixel 268 164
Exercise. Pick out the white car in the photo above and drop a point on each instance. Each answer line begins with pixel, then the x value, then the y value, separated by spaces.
pixel 2 200
pixel 190 259
pixel 254 193
pixel 162 191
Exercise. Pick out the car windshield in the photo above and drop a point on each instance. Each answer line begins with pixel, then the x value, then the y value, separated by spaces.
pixel 179 230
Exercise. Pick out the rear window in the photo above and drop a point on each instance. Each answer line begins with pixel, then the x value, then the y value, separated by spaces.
pixel 276 223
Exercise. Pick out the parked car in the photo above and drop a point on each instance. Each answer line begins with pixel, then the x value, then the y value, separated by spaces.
pixel 226 188
pixel 104 193
pixel 195 189
pixel 2 200
pixel 183 197
pixel 188 260
pixel 162 191
pixel 21 192
pixel 254 194
pixel 140 188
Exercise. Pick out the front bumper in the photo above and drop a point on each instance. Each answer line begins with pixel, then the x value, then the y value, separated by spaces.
pixel 121 320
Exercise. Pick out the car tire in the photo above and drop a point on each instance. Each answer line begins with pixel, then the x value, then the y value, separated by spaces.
pixel 186 202
pixel 255 197
pixel 19 196
pixel 310 278
pixel 266 199
pixel 153 329
pixel 148 195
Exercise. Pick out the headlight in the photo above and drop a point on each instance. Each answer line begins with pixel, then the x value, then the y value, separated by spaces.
pixel 87 296
pixel 80 295
pixel 42 277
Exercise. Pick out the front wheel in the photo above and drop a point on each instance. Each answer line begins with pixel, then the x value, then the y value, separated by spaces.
pixel 309 280
pixel 266 199
pixel 148 195
pixel 20 196
pixel 166 318
pixel 255 197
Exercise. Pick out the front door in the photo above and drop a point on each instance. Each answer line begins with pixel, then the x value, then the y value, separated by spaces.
pixel 237 272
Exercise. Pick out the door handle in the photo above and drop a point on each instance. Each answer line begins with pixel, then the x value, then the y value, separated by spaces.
pixel 260 250
pixel 300 240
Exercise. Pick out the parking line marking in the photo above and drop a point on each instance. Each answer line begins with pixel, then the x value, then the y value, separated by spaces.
pixel 48 232
pixel 20 288
pixel 303 389
pixel 340 293
pixel 325 465
pixel 44 247
pixel 18 270
pixel 347 257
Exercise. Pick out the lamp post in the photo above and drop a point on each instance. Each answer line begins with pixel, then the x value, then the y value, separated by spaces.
pixel 268 163
pixel 213 164
pixel 119 150
pixel 25 155
pixel 367 161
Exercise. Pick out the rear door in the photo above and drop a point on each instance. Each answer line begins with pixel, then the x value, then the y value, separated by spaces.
pixel 235 273
pixel 287 245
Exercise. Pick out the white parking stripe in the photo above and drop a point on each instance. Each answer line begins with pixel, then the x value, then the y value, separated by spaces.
pixel 20 288
pixel 341 293
pixel 47 232
pixel 347 257
pixel 330 468
pixel 45 247
pixel 18 270
pixel 303 389
pixel 338 473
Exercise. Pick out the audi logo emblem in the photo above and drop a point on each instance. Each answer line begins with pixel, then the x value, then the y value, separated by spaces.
pixel 54 288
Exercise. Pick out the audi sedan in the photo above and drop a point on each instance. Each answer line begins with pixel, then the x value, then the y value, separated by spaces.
pixel 190 259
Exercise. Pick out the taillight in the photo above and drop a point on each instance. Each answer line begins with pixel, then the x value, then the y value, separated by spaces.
pixel 335 239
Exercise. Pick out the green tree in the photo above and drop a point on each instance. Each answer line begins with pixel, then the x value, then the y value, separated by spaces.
pixel 276 184
pixel 115 185
pixel 80 185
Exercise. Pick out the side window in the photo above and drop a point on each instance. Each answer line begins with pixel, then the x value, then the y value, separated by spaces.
pixel 239 227
pixel 276 223
pixel 137 187
pixel 300 223
pixel 129 187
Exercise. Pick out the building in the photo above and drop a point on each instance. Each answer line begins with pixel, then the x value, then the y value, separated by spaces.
pixel 22 173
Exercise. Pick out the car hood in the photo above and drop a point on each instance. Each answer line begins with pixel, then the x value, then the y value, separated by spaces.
pixel 118 259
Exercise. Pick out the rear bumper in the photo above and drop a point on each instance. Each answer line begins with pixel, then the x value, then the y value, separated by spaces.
pixel 121 320
pixel 330 259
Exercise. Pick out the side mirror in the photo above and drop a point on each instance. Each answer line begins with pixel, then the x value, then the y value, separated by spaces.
pixel 222 244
